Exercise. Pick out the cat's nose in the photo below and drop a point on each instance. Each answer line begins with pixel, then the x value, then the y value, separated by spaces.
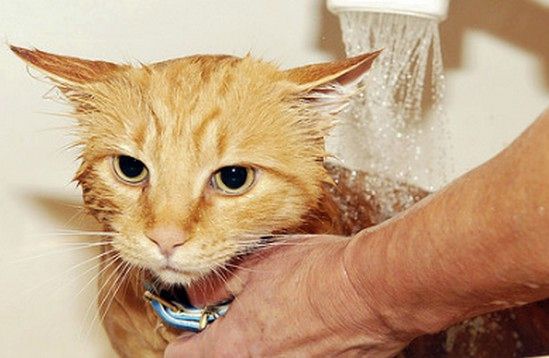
pixel 167 238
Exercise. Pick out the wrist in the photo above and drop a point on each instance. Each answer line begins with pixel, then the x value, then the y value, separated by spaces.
pixel 346 314
pixel 364 261
pixel 361 256
pixel 382 269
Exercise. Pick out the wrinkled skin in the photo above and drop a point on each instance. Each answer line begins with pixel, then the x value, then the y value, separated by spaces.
pixel 307 286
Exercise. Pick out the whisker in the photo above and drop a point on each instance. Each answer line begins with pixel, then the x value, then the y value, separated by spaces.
pixel 88 311
pixel 81 243
pixel 76 233
pixel 95 257
pixel 299 236
pixel 102 311
pixel 122 282
pixel 238 267
pixel 230 273
pixel 65 250
pixel 89 231
pixel 133 276
pixel 58 245
pixel 78 214
pixel 88 269
pixel 108 263
pixel 119 276
pixel 224 280
pixel 286 241
pixel 219 275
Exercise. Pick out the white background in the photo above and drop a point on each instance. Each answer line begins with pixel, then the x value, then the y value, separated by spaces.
pixel 497 59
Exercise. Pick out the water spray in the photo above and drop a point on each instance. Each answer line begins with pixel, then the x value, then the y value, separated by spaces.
pixel 396 126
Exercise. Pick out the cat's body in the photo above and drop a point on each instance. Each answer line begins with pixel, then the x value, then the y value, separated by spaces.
pixel 188 163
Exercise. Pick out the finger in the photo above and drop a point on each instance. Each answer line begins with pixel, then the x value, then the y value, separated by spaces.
pixel 213 289
pixel 229 281
pixel 193 346
pixel 184 348
pixel 220 286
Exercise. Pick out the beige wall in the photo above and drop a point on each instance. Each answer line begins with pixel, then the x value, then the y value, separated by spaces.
pixel 498 80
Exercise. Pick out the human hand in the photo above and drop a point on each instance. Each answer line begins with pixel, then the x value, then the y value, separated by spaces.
pixel 293 299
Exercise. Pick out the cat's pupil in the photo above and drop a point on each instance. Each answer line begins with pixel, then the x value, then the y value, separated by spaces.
pixel 130 167
pixel 234 177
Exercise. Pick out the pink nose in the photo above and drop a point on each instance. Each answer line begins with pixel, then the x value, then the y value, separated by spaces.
pixel 167 238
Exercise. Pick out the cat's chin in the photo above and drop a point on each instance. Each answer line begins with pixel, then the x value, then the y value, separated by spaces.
pixel 171 276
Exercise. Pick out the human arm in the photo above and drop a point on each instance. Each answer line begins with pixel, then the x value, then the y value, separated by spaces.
pixel 478 245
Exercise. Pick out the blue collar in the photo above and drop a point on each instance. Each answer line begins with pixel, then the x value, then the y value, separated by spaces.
pixel 183 315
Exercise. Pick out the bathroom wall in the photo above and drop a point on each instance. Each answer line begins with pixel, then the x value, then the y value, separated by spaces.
pixel 497 61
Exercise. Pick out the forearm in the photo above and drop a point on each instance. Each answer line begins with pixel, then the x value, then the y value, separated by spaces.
pixel 479 245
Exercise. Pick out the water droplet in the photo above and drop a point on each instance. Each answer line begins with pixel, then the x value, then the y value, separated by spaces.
pixel 387 130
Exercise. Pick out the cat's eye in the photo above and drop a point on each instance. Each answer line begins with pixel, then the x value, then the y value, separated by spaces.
pixel 129 169
pixel 233 180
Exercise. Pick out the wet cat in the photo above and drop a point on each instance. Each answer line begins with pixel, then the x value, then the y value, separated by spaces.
pixel 188 163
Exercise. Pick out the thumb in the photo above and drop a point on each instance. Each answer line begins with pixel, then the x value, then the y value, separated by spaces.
pixel 197 345
pixel 215 288
pixel 184 346
pixel 228 329
pixel 218 286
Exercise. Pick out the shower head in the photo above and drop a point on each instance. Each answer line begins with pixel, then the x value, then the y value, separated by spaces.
pixel 434 9
pixel 390 129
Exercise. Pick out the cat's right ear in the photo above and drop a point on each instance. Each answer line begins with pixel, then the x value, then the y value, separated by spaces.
pixel 67 70
pixel 329 86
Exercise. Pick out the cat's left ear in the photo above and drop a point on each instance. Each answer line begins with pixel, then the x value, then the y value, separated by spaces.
pixel 65 69
pixel 330 85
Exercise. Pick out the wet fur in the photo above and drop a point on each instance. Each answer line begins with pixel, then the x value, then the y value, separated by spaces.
pixel 184 119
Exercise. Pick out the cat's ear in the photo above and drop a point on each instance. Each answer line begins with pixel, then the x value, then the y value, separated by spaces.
pixel 330 85
pixel 65 69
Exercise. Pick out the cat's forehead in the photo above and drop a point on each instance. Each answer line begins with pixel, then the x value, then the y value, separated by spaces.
pixel 194 93
pixel 189 86
pixel 202 72
pixel 211 106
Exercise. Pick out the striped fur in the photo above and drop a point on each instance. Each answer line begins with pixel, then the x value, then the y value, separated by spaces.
pixel 184 119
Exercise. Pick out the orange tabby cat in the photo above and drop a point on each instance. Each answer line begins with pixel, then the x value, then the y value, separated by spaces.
pixel 189 162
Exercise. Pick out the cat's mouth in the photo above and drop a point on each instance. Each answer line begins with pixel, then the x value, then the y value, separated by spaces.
pixel 202 292
pixel 197 287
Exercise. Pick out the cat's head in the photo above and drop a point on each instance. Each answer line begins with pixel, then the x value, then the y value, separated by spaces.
pixel 191 160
